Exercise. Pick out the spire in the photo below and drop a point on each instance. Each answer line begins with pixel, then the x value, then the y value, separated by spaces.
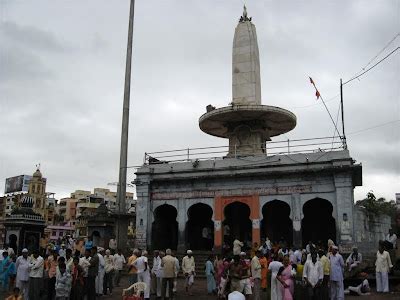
pixel 244 17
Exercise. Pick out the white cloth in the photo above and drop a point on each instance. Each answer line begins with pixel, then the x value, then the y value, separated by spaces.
pixel 119 261
pixel 383 262
pixel 108 263
pixel 145 277
pixel 36 267
pixel 382 282
pixel 392 239
pixel 297 254
pixel 62 252
pixel 313 272
pixel 337 290
pixel 236 296
pixel 237 247
pixel 22 267
pixel 100 274
pixel 337 265
pixel 188 265
pixel 156 266
pixel 141 263
pixel 85 263
pixel 255 267
pixel 112 244
pixel 350 260
pixel 275 289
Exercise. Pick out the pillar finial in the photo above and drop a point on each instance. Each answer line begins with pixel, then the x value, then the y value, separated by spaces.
pixel 244 17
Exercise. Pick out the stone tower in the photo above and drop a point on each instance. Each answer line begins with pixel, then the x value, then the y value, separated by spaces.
pixel 246 122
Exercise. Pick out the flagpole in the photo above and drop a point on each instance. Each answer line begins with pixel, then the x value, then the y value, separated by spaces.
pixel 341 107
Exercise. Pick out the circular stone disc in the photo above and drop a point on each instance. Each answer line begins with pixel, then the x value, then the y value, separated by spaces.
pixel 276 120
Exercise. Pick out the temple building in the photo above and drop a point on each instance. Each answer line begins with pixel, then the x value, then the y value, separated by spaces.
pixel 256 190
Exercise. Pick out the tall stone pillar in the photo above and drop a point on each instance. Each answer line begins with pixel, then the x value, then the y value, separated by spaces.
pixel 296 214
pixel 143 211
pixel 182 219
pixel 344 208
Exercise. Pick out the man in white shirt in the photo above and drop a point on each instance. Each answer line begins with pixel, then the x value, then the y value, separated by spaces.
pixel 22 267
pixel 156 280
pixel 391 240
pixel 256 274
pixel 354 259
pixel 313 276
pixel 142 267
pixel 297 254
pixel 36 264
pixel 336 274
pixel 383 265
pixel 188 268
pixel 62 251
pixel 108 273
pixel 119 261
pixel 100 276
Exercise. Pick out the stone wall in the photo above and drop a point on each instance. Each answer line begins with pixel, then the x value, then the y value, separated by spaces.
pixel 369 231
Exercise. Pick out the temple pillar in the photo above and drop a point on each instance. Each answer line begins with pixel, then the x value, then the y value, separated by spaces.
pixel 296 216
pixel 182 219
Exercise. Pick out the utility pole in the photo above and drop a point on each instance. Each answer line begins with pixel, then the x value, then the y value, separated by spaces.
pixel 341 108
pixel 121 221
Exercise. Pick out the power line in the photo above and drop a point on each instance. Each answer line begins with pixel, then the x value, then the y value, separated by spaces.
pixel 367 70
pixel 379 53
pixel 376 126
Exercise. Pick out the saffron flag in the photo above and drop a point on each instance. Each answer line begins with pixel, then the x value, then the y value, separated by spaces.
pixel 317 94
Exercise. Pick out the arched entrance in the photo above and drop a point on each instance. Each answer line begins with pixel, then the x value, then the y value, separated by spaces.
pixel 276 223
pixel 318 225
pixel 165 228
pixel 237 224
pixel 96 238
pixel 12 242
pixel 200 227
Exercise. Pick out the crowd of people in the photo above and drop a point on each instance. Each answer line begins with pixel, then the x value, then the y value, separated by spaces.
pixel 63 271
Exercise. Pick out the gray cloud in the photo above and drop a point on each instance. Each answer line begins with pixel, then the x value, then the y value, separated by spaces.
pixel 62 72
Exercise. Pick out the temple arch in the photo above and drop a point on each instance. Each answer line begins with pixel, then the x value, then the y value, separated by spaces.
pixel 165 228
pixel 318 224
pixel 276 223
pixel 237 224
pixel 200 227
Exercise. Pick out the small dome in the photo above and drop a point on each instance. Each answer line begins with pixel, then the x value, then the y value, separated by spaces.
pixel 37 174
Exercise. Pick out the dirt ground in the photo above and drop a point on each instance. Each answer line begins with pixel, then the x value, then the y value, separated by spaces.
pixel 200 293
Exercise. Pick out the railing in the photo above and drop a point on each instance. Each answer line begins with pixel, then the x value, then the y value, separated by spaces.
pixel 322 144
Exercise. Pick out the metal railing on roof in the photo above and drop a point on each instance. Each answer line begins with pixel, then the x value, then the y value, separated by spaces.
pixel 309 145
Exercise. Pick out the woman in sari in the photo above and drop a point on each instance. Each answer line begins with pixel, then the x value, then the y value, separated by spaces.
pixel 285 277
pixel 219 267
pixel 210 273
pixel 7 269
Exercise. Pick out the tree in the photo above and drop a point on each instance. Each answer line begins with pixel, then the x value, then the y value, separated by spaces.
pixel 377 207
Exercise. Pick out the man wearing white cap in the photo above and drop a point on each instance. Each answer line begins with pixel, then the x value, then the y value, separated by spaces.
pixel 235 295
pixel 188 268
pixel 22 267
pixel 336 275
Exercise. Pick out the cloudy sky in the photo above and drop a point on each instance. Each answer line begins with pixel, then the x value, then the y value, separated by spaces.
pixel 62 76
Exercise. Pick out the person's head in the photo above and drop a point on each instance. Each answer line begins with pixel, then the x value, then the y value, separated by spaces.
pixel 25 253
pixel 335 249
pixel 119 251
pixel 144 253
pixel 321 252
pixel 210 257
pixel 310 243
pixel 242 255
pixel 355 250
pixel 168 252
pixel 35 253
pixel 236 296
pixel 108 252
pixel 87 253
pixel 16 291
pixel 236 259
pixel 68 253
pixel 94 250
pixel 258 253
pixel 162 254
pixel 76 260
pixel 5 254
pixel 286 260
pixel 62 267
pixel 381 247
pixel 314 256
pixel 54 254
pixel 390 231
pixel 156 253
pixel 189 253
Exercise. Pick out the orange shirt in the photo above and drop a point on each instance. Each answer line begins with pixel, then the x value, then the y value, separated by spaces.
pixel 131 260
